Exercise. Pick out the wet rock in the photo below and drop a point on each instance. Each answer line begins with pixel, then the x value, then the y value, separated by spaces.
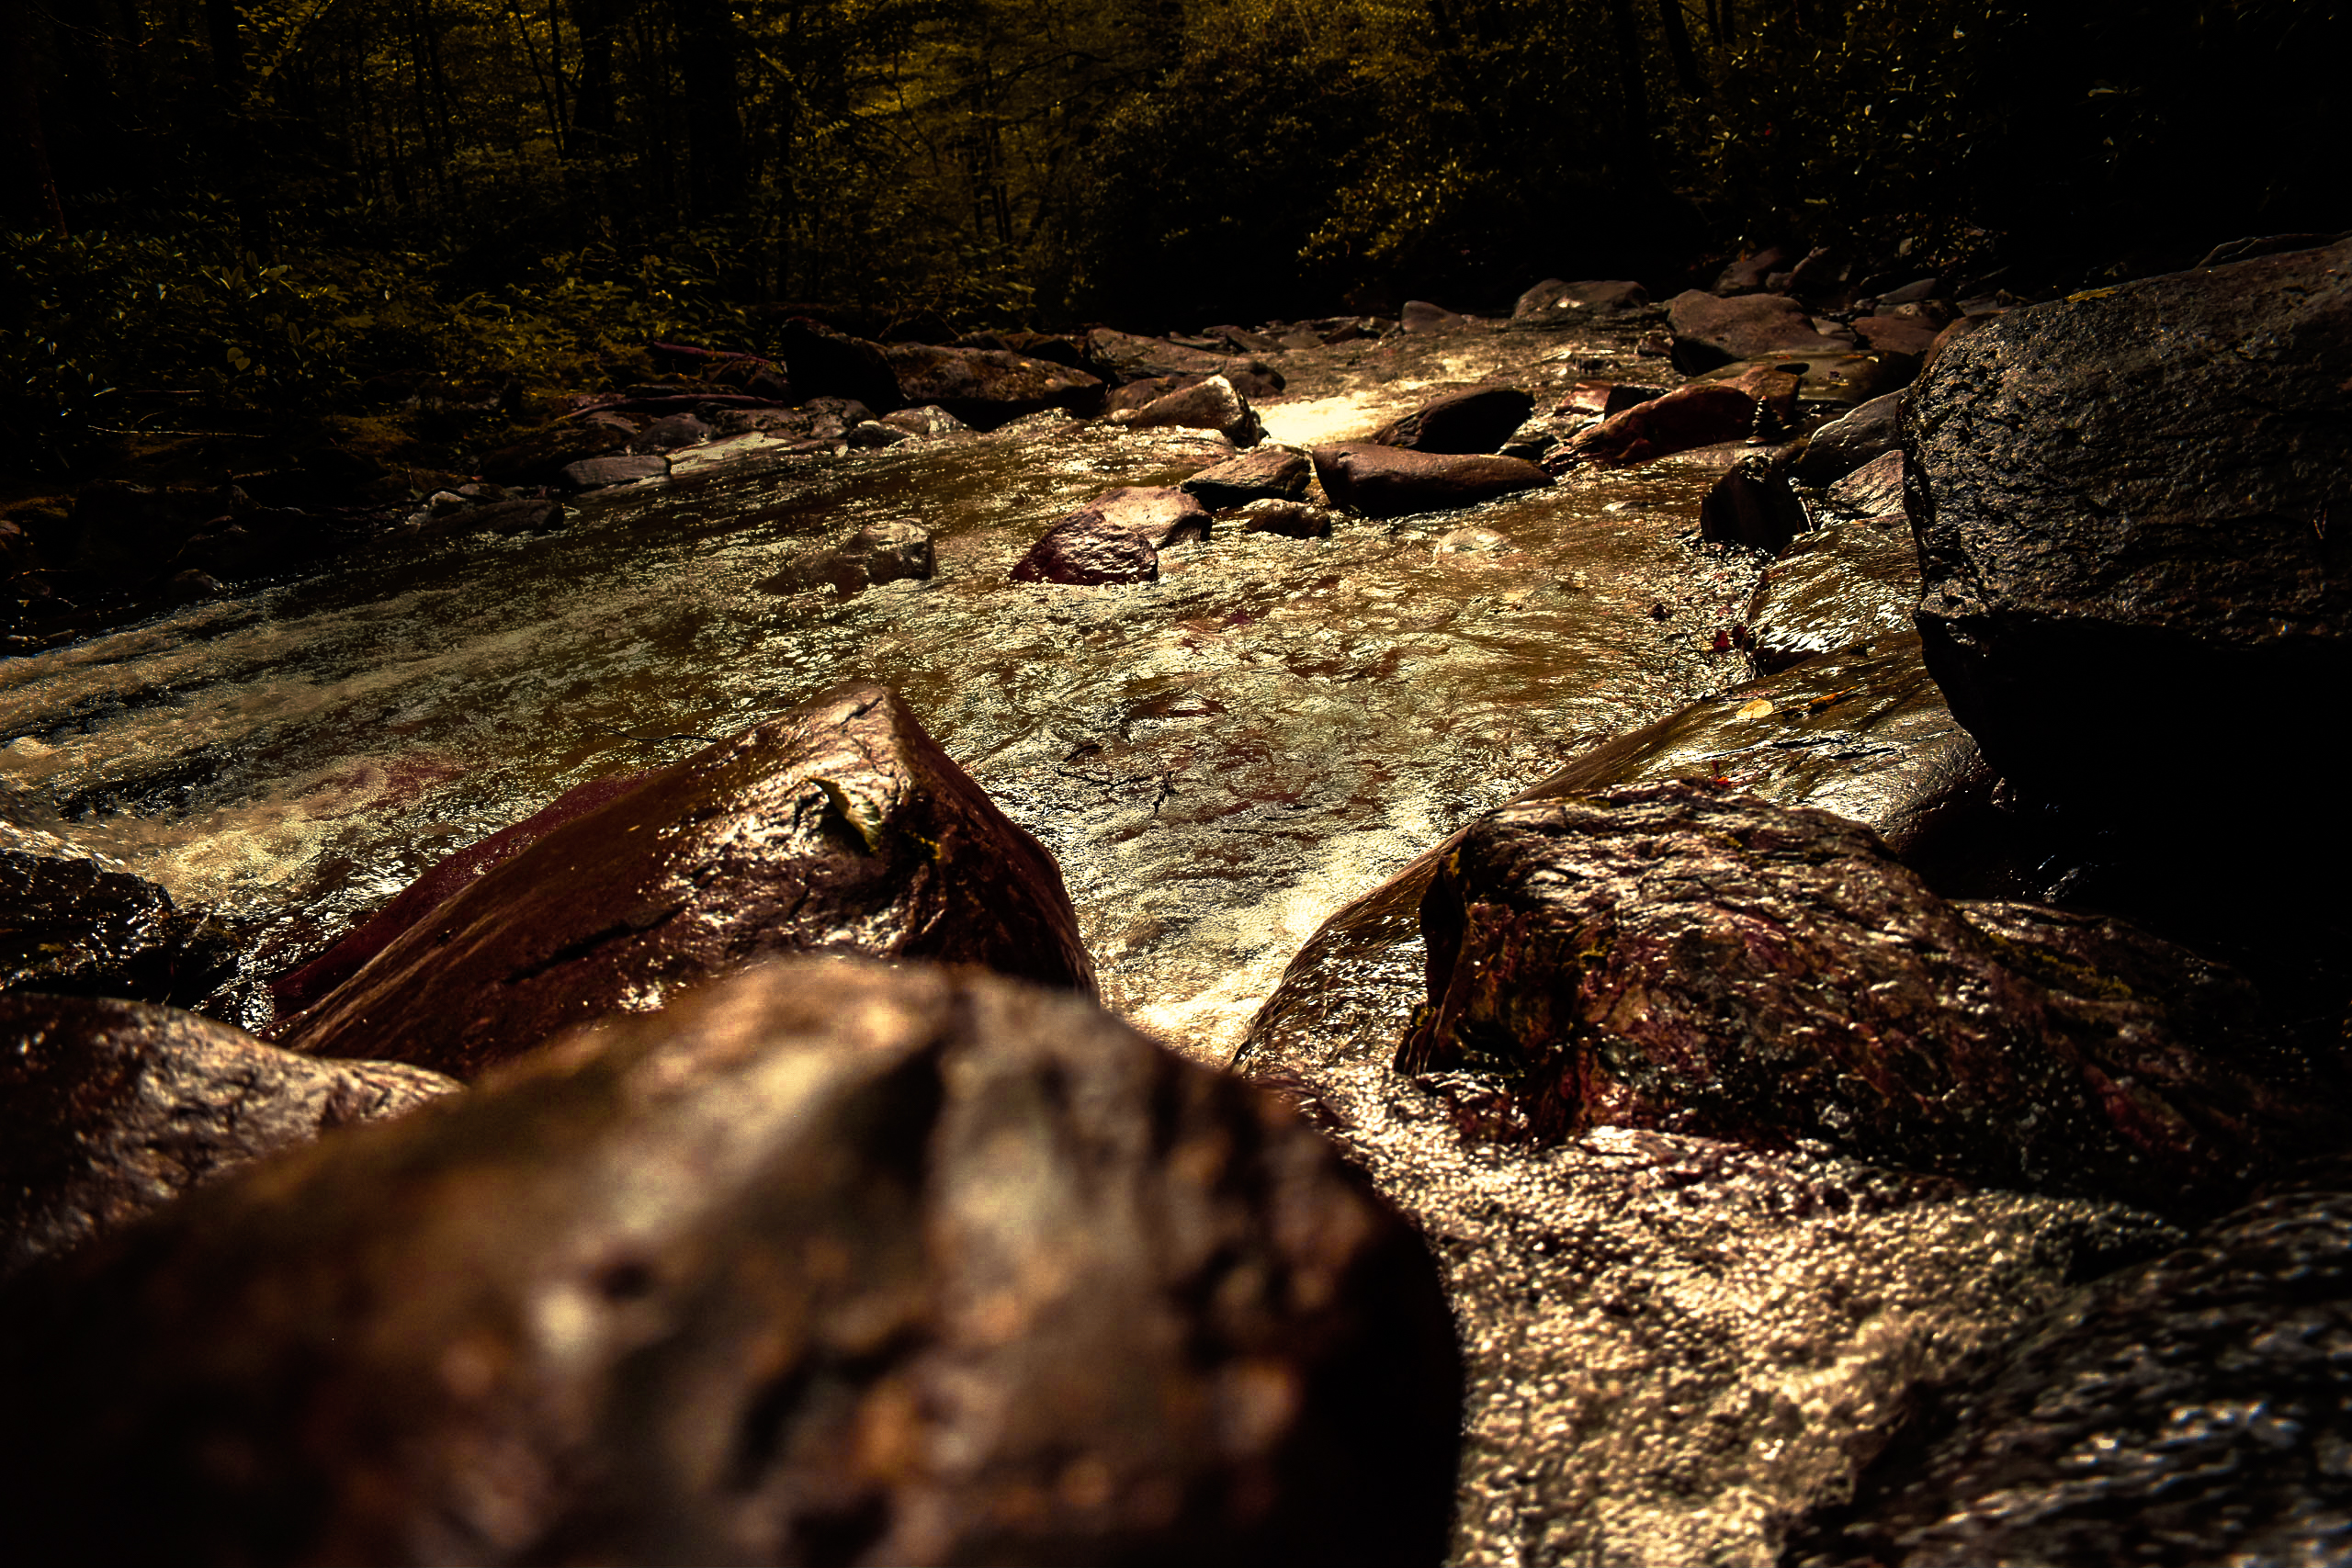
pixel 1140 393
pixel 668 434
pixel 1848 582
pixel 1711 331
pixel 1213 405
pixel 872 433
pixel 1775 391
pixel 1421 316
pixel 825 362
pixel 1089 550
pixel 879 552
pixel 1554 301
pixel 1953 333
pixel 1832 380
pixel 602 473
pixel 1746 275
pixel 1874 490
pixel 1820 273
pixel 930 422
pixel 1752 505
pixel 2188 1410
pixel 2129 531
pixel 838 825
pixel 2268 245
pixel 1477 420
pixel 1126 357
pixel 1678 957
pixel 1700 414
pixel 1844 445
pixel 1292 519
pixel 1160 515
pixel 986 388
pixel 298 988
pixel 819 419
pixel 1605 398
pixel 540 458
pixel 832 1262
pixel 111 1108
pixel 1268 473
pixel 1390 481
pixel 1897 335
pixel 74 925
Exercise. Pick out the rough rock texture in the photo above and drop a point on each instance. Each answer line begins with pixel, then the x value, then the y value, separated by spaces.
pixel 1702 413
pixel 879 552
pixel 986 388
pixel 74 925
pixel 2189 1410
pixel 1157 514
pixel 1087 549
pixel 1477 420
pixel 1681 957
pixel 1213 404
pixel 1389 481
pixel 1293 519
pixel 1709 330
pixel 1874 490
pixel 930 421
pixel 1844 445
pixel 1554 301
pixel 1842 583
pixel 1604 397
pixel 824 363
pixel 1269 473
pixel 838 825
pixel 832 1263
pixel 1911 335
pixel 111 1108
pixel 1752 505
pixel 1421 316
pixel 298 989
pixel 2132 513
pixel 600 473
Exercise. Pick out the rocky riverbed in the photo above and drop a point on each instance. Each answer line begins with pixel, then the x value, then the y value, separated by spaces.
pixel 1585 985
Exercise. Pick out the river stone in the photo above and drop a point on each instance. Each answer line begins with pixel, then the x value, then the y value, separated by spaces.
pixel 1292 519
pixel 541 456
pixel 670 432
pixel 831 1262
pixel 110 1108
pixel 840 825
pixel 1702 413
pixel 986 388
pixel 1752 505
pixel 1845 444
pixel 1213 404
pixel 930 421
pixel 1554 301
pixel 1874 490
pixel 1160 515
pixel 1909 335
pixel 1390 481
pixel 73 924
pixel 1681 957
pixel 1845 582
pixel 879 552
pixel 599 473
pixel 1709 330
pixel 1268 473
pixel 1421 316
pixel 2189 1410
pixel 1477 420
pixel 2132 513
pixel 821 362
pixel 1746 275
pixel 1604 397
pixel 1088 549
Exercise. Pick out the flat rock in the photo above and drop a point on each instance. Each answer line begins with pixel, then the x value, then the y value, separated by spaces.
pixel 1159 515
pixel 986 388
pixel 1478 419
pixel 2187 1410
pixel 2130 510
pixel 1702 413
pixel 1267 473
pixel 1709 330
pixel 1682 957
pixel 1292 519
pixel 600 473
pixel 838 825
pixel 1874 490
pixel 1846 443
pixel 1390 481
pixel 1213 404
pixel 833 1262
pixel 111 1108
pixel 1845 582
pixel 72 924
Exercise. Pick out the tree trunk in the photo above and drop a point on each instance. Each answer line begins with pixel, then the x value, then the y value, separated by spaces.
pixel 24 116
pixel 706 53
pixel 1678 44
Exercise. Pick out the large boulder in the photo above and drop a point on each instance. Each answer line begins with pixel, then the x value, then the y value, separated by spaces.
pixel 825 362
pixel 74 924
pixel 1701 960
pixel 1478 419
pixel 1269 473
pixel 2130 509
pixel 111 1108
pixel 833 1262
pixel 298 988
pixel 986 388
pixel 2189 1410
pixel 840 825
pixel 1849 441
pixel 1390 481
pixel 1213 404
pixel 1709 330
pixel 1702 413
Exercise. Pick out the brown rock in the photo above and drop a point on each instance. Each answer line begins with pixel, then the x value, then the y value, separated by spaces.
pixel 1604 397
pixel 111 1108
pixel 1477 420
pixel 987 387
pixel 1850 581
pixel 1292 519
pixel 1711 331
pixel 838 825
pixel 1087 549
pixel 1703 414
pixel 833 1262
pixel 1389 481
pixel 1677 957
pixel 1160 515
pixel 879 552
pixel 602 473
pixel 1554 300
pixel 1421 316
pixel 1897 335
pixel 1213 404
pixel 1752 505
pixel 72 924
pixel 1269 473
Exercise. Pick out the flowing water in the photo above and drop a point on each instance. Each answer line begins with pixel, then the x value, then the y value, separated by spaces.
pixel 1218 759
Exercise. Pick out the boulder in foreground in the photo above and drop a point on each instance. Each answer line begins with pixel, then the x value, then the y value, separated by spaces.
pixel 832 1263
pixel 840 825
pixel 1680 957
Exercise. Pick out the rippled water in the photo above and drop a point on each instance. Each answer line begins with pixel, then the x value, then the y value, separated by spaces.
pixel 1218 760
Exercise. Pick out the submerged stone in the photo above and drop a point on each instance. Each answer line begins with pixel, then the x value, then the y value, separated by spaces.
pixel 1389 481
pixel 1845 582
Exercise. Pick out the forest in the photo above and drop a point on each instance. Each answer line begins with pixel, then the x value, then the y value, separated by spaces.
pixel 267 207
